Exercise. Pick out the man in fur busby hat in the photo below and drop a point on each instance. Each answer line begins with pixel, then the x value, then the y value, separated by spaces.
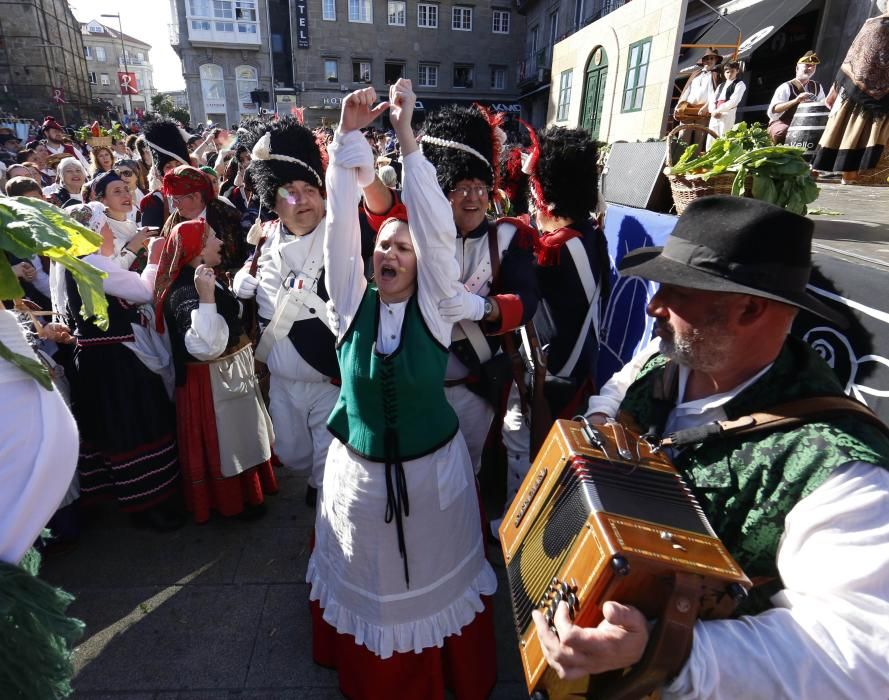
pixel 790 95
pixel 692 107
pixel 286 276
pixel 573 272
pixel 168 149
pixel 799 504
pixel 464 143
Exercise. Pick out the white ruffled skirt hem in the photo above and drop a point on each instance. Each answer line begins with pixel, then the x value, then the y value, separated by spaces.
pixel 416 635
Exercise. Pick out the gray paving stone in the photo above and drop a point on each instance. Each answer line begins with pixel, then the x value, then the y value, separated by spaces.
pixel 275 555
pixel 131 557
pixel 282 656
pixel 199 637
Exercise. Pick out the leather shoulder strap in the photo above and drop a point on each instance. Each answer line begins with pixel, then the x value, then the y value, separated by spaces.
pixel 494 251
pixel 785 415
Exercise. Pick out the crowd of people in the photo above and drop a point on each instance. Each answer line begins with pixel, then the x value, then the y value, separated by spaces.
pixel 356 305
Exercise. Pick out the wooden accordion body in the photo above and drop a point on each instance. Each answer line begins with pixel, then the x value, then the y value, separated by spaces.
pixel 591 525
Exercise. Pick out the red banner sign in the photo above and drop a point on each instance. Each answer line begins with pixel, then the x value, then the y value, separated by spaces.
pixel 58 95
pixel 127 82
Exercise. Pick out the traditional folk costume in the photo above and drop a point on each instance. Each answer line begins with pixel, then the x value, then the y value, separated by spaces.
pixel 124 231
pixel 69 149
pixel 223 429
pixel 128 442
pixel 287 278
pixel 802 509
pixel 164 139
pixel 858 128
pixel 399 607
pixel 697 93
pixel 464 143
pixel 223 218
pixel 38 448
pixel 726 100
pixel 573 274
pixel 785 92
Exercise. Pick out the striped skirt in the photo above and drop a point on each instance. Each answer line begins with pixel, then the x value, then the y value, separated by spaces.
pixel 127 429
pixel 853 140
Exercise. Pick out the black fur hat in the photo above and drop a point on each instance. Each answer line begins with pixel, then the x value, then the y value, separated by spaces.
pixel 567 172
pixel 273 145
pixel 165 133
pixel 466 126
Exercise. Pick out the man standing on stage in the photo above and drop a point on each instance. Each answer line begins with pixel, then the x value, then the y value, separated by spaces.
pixel 792 94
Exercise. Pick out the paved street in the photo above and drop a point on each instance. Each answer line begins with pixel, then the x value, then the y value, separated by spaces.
pixel 219 610
pixel 215 611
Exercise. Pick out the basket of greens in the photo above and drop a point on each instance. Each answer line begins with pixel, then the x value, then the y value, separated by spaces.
pixel 743 163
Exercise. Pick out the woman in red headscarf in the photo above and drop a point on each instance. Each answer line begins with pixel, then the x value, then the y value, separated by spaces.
pixel 225 433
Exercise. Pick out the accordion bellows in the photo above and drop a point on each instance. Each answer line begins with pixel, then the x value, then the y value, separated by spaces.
pixel 601 516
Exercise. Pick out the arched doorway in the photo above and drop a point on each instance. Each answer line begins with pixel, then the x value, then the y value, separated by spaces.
pixel 594 91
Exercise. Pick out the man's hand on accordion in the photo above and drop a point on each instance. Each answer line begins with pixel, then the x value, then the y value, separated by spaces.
pixel 574 652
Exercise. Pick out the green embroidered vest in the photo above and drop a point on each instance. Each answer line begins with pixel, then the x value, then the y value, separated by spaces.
pixel 392 407
pixel 747 485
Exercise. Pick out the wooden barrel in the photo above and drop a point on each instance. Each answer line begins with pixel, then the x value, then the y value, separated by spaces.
pixel 807 126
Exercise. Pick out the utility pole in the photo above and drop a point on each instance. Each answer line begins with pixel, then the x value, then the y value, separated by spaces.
pixel 126 68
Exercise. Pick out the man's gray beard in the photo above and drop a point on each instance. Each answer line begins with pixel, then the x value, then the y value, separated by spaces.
pixel 703 349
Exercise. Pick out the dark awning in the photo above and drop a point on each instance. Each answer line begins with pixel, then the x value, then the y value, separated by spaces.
pixel 757 20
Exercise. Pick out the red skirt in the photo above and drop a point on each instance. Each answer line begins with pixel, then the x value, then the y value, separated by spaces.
pixel 466 664
pixel 204 486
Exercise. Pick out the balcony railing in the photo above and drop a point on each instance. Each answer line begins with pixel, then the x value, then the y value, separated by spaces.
pixel 131 61
pixel 534 68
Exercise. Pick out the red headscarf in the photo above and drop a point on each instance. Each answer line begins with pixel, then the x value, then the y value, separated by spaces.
pixel 184 244
pixel 186 180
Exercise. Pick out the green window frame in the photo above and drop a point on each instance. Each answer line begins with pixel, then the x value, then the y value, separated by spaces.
pixel 565 80
pixel 637 72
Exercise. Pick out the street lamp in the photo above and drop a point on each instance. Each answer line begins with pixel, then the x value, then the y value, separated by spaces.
pixel 124 57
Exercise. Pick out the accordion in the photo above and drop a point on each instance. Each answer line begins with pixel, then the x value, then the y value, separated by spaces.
pixel 603 515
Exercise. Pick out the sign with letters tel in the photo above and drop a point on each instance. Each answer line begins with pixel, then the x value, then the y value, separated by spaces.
pixel 302 24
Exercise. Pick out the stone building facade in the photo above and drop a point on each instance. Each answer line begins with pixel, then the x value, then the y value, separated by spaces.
pixel 108 52
pixel 311 53
pixel 42 67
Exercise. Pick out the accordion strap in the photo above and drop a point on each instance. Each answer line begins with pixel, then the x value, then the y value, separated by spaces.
pixel 668 646
pixel 784 415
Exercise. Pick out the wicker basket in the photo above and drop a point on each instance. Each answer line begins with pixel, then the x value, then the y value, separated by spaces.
pixel 97 141
pixel 686 189
pixel 876 177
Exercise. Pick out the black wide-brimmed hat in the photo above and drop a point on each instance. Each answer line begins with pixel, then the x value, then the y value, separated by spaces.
pixel 734 244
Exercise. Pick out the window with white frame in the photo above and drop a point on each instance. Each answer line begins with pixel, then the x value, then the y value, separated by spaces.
pixel 330 70
pixel 223 9
pixel 88 53
pixel 564 95
pixel 461 19
pixel 225 26
pixel 245 10
pixel 427 75
pixel 463 75
pixel 95 28
pixel 361 11
pixel 104 80
pixel 360 71
pixel 92 77
pixel 500 22
pixel 201 25
pixel 246 78
pixel 328 10
pixel 427 16
pixel 200 8
pixel 212 84
pixel 397 10
pixel 498 77
pixel 100 54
